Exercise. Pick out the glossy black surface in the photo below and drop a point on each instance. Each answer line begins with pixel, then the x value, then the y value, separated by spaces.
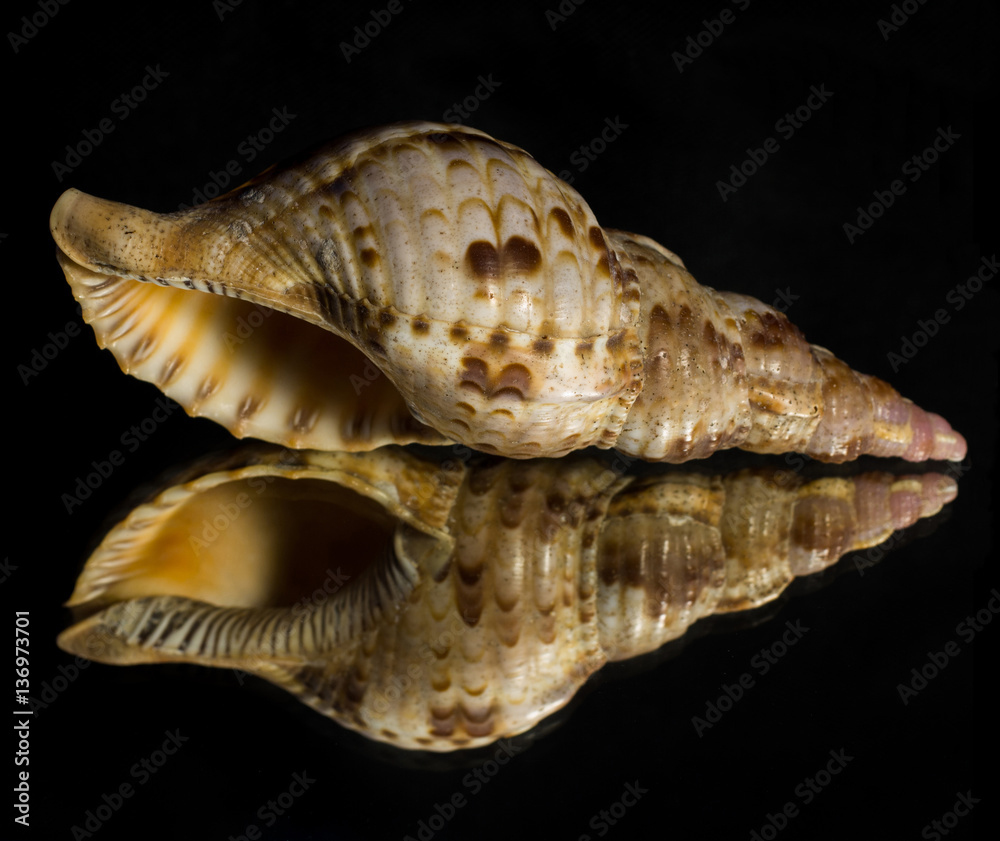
pixel 218 74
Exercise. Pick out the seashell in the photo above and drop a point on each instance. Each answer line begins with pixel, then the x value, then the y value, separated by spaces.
pixel 500 313
pixel 439 604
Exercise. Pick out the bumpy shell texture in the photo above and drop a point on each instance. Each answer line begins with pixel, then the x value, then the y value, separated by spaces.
pixel 427 283
pixel 440 605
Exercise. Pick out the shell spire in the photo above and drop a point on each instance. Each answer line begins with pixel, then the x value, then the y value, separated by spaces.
pixel 425 282
pixel 440 605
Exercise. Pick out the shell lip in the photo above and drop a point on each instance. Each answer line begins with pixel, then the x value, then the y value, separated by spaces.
pixel 267 531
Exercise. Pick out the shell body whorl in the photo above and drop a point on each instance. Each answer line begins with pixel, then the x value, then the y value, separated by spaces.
pixel 443 286
pixel 441 605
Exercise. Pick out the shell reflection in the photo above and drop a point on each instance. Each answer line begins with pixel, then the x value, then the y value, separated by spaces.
pixel 439 604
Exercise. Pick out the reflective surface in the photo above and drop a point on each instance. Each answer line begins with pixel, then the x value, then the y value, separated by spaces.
pixel 781 235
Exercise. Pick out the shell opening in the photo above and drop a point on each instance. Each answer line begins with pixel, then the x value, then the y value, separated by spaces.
pixel 262 541
pixel 256 370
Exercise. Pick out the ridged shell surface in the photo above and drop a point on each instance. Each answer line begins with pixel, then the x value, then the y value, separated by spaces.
pixel 445 604
pixel 425 282
pixel 483 286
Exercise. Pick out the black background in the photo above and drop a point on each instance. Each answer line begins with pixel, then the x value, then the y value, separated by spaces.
pixel 226 67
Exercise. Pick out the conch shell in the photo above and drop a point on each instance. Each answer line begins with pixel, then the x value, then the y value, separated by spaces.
pixel 427 283
pixel 439 604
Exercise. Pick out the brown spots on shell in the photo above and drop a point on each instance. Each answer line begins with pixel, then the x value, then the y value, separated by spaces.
pixel 478 724
pixel 482 260
pixel 521 255
pixel 386 318
pixel 507 602
pixel 370 257
pixel 465 407
pixel 442 573
pixel 442 721
pixel 555 502
pixel 470 576
pixel 459 333
pixel 499 339
pixel 562 218
pixel 340 186
pixel 596 236
pixel 420 326
pixel 476 374
pixel 709 334
pixel 617 275
pixel 616 341
pixel 604 267
pixel 546 629
pixel 585 346
pixel 362 231
pixel 512 511
pixel 766 329
pixel 543 346
pixel 517 256
pixel 512 380
pixel 469 595
pixel 823 523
